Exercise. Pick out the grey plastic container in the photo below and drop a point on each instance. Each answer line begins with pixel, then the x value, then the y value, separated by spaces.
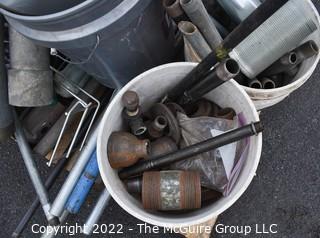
pixel 36 7
pixel 135 35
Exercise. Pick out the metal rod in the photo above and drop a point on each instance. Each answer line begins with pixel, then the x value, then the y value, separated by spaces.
pixel 190 151
pixel 33 172
pixel 97 212
pixel 36 203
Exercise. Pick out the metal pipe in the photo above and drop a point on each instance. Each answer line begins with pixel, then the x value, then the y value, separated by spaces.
pixel 195 38
pixel 265 45
pixel 33 172
pixel 268 83
pixel 239 10
pixel 30 80
pixel 174 10
pixel 97 212
pixel 251 23
pixel 190 151
pixel 255 83
pixel 225 71
pixel 6 119
pixel 32 209
pixel 52 234
pixel 40 119
pixel 132 113
pixel 286 62
pixel 171 190
pixel 67 188
pixel 292 59
pixel 198 14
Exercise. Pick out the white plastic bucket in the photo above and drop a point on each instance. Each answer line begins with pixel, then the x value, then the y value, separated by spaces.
pixel 263 98
pixel 151 86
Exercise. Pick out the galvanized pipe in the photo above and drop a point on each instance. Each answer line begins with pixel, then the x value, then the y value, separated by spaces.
pixel 48 184
pixel 6 119
pixel 198 14
pixel 265 45
pixel 30 78
pixel 33 172
pixel 255 83
pixel 190 151
pixel 62 219
pixel 195 38
pixel 239 10
pixel 268 83
pixel 67 188
pixel 97 212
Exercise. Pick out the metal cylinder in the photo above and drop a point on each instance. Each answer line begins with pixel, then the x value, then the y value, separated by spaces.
pixel 132 113
pixel 30 78
pixel 274 37
pixel 190 151
pixel 174 10
pixel 171 190
pixel 33 172
pixel 6 119
pixel 283 64
pixel 268 83
pixel 223 72
pixel 198 14
pixel 124 149
pixel 48 184
pixel 195 38
pixel 239 10
pixel 156 127
pixel 40 119
pixel 255 83
pixel 97 212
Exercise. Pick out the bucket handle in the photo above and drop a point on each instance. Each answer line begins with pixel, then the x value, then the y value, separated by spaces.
pixel 55 53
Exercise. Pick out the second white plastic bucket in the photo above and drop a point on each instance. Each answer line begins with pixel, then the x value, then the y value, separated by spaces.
pixel 151 86
pixel 263 98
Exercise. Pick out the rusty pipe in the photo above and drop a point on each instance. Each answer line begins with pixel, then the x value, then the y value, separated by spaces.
pixel 268 83
pixel 171 190
pixel 226 113
pixel 132 113
pixel 124 149
pixel 157 126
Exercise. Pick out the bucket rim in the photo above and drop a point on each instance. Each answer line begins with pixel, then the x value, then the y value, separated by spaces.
pixel 171 222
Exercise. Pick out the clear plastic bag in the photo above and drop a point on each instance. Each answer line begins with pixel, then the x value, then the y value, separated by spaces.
pixel 216 166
